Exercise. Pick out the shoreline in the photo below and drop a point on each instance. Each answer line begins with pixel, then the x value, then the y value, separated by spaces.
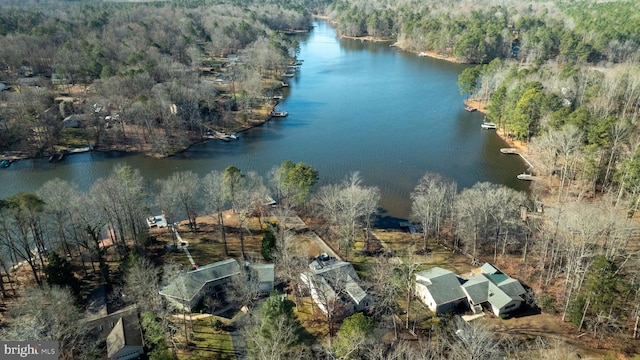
pixel 516 144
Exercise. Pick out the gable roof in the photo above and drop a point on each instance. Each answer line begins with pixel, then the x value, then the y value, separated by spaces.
pixel 126 332
pixel 443 285
pixel 195 280
pixel 493 286
pixel 338 275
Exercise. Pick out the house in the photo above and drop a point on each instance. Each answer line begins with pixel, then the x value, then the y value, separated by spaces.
pixel 440 290
pixel 187 293
pixel 119 331
pixel 487 287
pixel 72 121
pixel 124 342
pixel 334 287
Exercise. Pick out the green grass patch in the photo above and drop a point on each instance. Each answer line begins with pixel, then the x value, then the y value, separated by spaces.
pixel 74 138
pixel 209 342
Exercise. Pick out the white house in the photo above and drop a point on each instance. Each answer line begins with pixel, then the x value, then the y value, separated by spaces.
pixel 443 291
pixel 334 287
pixel 491 288
pixel 440 290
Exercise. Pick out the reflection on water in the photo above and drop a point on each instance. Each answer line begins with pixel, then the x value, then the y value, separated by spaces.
pixel 353 106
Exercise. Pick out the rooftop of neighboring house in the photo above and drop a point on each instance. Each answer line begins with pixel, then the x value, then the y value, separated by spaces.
pixel 488 283
pixel 126 332
pixel 443 285
pixel 338 275
pixel 196 279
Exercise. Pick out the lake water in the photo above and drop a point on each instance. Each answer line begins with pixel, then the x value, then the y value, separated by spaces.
pixel 353 106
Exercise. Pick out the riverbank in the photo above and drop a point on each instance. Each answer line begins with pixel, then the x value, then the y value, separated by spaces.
pixel 481 106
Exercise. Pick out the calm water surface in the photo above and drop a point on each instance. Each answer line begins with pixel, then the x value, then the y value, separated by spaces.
pixel 353 106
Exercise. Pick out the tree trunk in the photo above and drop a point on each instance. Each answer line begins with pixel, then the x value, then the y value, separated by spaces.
pixel 223 234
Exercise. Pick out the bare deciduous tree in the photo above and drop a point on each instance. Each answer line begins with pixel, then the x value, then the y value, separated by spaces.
pixel 432 200
pixel 180 195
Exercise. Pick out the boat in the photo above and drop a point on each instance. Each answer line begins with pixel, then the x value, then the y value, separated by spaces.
pixel 288 75
pixel 279 113
pixel 526 177
pixel 470 109
pixel 509 151
pixel 5 163
pixel 422 54
pixel 80 150
pixel 488 125
pixel 284 84
pixel 233 136
pixel 277 97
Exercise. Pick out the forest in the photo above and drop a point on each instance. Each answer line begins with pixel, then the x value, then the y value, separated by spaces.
pixel 146 77
pixel 561 78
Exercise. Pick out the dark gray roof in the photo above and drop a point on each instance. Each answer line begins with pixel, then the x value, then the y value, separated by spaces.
pixel 443 285
pixel 340 275
pixel 195 280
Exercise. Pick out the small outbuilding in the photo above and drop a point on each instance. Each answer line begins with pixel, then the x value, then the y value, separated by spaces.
pixel 72 121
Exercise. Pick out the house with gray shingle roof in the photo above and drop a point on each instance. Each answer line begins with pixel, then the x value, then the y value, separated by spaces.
pixel 186 291
pixel 335 287
pixel 493 289
pixel 440 290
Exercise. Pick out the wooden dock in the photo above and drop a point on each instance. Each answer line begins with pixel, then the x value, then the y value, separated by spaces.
pixel 513 151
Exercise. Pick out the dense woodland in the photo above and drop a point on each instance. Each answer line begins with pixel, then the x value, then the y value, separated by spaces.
pixel 562 77
pixel 152 77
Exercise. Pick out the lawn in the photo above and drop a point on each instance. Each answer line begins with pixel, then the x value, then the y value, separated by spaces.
pixel 73 138
pixel 209 342
pixel 401 242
